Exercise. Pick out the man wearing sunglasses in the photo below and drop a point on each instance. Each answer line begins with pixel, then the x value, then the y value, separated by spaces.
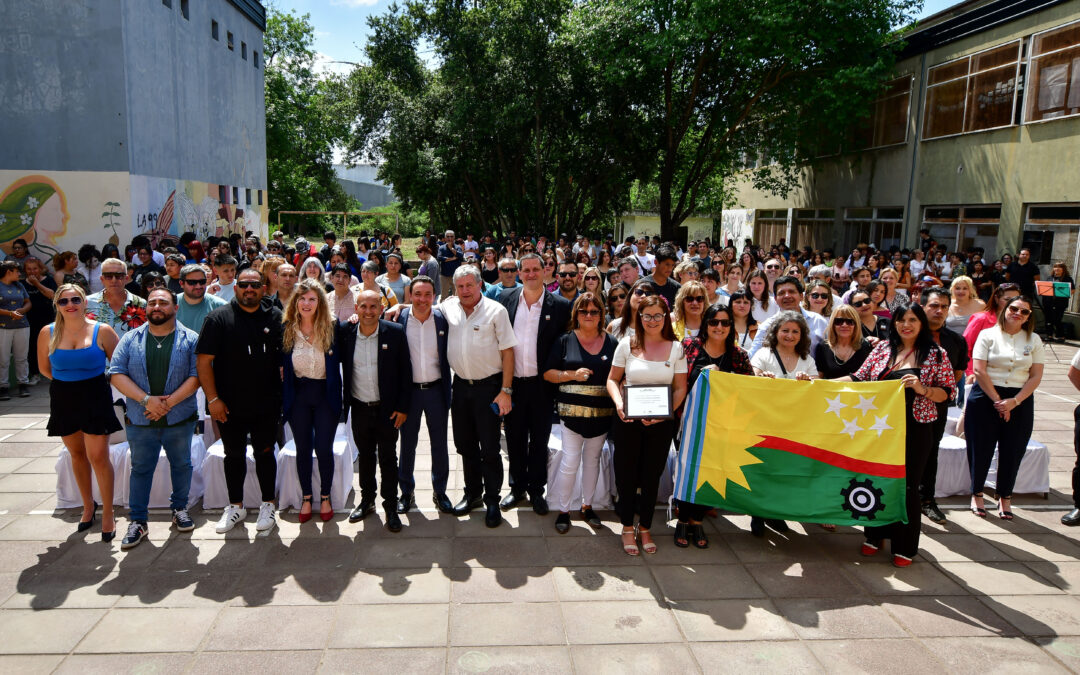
pixel 789 295
pixel 508 270
pixel 239 366
pixel 115 305
pixel 194 304
pixel 567 276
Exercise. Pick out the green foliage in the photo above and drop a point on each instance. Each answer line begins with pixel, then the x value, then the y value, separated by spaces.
pixel 305 117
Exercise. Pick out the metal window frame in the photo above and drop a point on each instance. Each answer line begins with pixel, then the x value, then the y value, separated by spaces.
pixel 1016 77
pixel 907 115
pixel 1031 58
pixel 961 221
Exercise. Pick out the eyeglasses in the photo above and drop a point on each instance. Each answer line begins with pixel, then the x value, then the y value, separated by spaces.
pixel 653 318
pixel 155 284
pixel 859 303
pixel 616 298
pixel 62 302
pixel 643 293
pixel 1020 310
pixel 589 312
pixel 568 274
pixel 839 321
pixel 695 298
pixel 113 275
pixel 713 323
pixel 819 296
pixel 249 284
pixel 592 278
pixel 508 270
pixel 549 264
pixel 772 267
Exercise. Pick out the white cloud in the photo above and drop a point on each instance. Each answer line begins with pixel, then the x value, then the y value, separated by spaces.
pixel 324 63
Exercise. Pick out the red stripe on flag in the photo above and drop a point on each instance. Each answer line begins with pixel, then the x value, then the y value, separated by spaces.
pixel 833 458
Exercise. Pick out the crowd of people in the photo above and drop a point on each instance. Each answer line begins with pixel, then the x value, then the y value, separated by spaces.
pixel 511 337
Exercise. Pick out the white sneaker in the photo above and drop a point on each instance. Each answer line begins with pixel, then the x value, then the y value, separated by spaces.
pixel 267 517
pixel 233 515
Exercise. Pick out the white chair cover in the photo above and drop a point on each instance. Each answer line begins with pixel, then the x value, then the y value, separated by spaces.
pixel 605 482
pixel 290 493
pixel 216 494
pixel 954 417
pixel 1033 476
pixel 954 476
pixel 953 472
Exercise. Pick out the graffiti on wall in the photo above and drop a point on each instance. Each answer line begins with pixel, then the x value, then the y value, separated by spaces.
pixel 165 207
pixel 737 225
pixel 33 208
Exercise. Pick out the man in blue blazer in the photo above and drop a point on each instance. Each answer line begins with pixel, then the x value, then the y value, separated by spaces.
pixel 376 375
pixel 426 330
pixel 539 318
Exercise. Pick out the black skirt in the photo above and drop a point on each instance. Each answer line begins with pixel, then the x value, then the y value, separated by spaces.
pixel 82 405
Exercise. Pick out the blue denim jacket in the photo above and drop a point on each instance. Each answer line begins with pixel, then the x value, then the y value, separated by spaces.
pixel 129 358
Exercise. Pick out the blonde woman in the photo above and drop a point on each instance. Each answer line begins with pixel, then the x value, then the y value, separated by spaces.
pixel 690 305
pixel 311 379
pixel 893 297
pixel 843 350
pixel 72 352
pixel 819 298
pixel 686 271
pixel 965 303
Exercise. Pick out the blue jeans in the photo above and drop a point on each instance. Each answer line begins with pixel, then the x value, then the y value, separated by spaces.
pixel 146 444
pixel 432 405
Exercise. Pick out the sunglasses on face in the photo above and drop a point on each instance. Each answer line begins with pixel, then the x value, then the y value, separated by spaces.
pixel 155 284
pixel 593 278
pixel 62 302
pixel 568 274
pixel 616 298
pixel 843 322
pixel 642 293
pixel 772 267
pixel 695 298
pixel 1020 310
pixel 713 323
pixel 819 296
pixel 549 264
pixel 589 312
pixel 859 303
pixel 113 275
pixel 249 284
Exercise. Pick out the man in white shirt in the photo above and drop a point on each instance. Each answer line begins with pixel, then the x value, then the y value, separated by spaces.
pixel 1072 518
pixel 480 349
pixel 789 295
pixel 646 261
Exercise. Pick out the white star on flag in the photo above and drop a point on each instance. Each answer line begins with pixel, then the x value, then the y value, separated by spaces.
pixel 835 406
pixel 880 425
pixel 850 428
pixel 866 404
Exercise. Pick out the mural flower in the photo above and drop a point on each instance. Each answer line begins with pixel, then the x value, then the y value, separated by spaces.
pixel 26 219
pixel 32 202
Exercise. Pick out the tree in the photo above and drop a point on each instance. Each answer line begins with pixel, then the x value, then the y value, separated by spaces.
pixel 718 82
pixel 305 118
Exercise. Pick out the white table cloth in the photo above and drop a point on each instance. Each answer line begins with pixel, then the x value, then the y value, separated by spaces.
pixel 605 482
pixel 954 476
pixel 290 494
pixel 216 494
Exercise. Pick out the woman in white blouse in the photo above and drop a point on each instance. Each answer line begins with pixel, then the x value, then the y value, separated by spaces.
pixel 786 351
pixel 1008 364
pixel 312 388
pixel 651 356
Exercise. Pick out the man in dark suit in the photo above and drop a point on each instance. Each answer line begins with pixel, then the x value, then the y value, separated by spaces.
pixel 539 318
pixel 376 376
pixel 426 329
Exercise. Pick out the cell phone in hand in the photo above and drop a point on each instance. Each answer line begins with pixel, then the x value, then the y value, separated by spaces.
pixel 495 408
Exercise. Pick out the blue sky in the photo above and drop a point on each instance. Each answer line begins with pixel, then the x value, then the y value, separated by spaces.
pixel 341 25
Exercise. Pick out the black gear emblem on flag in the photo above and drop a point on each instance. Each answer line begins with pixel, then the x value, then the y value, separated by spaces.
pixel 862 499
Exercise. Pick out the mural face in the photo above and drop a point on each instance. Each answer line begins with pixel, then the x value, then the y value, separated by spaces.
pixel 62 210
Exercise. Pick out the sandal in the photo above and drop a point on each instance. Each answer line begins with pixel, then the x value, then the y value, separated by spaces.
pixel 682 538
pixel 304 517
pixel 631 548
pixel 697 535
pixel 977 505
pixel 647 546
pixel 326 515
pixel 1003 508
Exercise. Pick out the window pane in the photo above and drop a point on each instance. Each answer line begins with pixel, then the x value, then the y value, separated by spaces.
pixel 995 58
pixel 945 109
pixel 888 235
pixel 890 117
pixel 1056 90
pixel 1057 39
pixel 1055 213
pixel 944 234
pixel 982 213
pixel 948 71
pixel 983 236
pixel 859 213
pixel 891 214
pixel 990 99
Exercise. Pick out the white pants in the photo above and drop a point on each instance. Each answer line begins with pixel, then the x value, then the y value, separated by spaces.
pixel 17 341
pixel 577 452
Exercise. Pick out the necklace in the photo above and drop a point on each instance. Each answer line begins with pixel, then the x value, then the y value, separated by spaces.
pixel 161 341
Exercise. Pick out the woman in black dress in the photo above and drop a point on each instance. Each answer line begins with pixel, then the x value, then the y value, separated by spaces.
pixel 843 350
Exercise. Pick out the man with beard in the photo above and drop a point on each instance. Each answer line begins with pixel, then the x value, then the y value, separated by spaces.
pixel 195 304
pixel 240 372
pixel 154 366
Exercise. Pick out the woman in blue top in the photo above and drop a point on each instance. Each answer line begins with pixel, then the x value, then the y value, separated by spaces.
pixel 72 352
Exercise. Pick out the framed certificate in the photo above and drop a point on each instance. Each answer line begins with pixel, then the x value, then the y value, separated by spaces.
pixel 647 402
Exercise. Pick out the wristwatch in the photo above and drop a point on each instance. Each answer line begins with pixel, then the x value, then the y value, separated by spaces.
pixel 145 400
pixel 508 391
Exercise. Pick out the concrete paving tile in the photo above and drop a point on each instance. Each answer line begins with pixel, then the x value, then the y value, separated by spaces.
pixel 981 654
pixel 46 465
pixel 56 631
pixel 493 659
pixel 605 550
pixel 188 588
pixel 947 616
pixel 481 625
pixel 803 579
pixel 421 661
pixel 332 552
pixel 994 525
pixel 705 582
pixel 838 618
pixel 31 450
pixel 70 589
pixel 159 629
pixel 28 482
pixel 756 657
pixel 1064 649
pixel 390 626
pixel 1038 616
pixel 11 464
pixel 39 664
pixel 13 423
pixel 774 547
pixel 728 620
pixel 111 664
pixel 619 622
pixel 233 629
pixel 16 556
pixel 1036 547
pixel 577 584
pixel 1064 575
pixel 375 587
pixel 31 436
pixel 497 552
pixel 503 584
pixel 215 663
pixel 36 528
pixel 998 578
pixel 960 548
pixel 87 551
pixel 20 503
pixel 281 588
pixel 879 577
pixel 876 656
pixel 629 658
pixel 516 523
pixel 404 553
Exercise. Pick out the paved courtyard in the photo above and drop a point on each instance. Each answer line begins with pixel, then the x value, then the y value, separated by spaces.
pixel 449 595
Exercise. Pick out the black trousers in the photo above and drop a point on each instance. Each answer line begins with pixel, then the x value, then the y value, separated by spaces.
pixel 234 438
pixel 376 441
pixel 1076 448
pixel 1054 309
pixel 476 437
pixel 905 537
pixel 528 427
pixel 985 430
pixel 641 453
pixel 928 483
pixel 690 511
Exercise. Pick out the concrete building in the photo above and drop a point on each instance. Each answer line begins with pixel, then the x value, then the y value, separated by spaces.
pixel 977 139
pixel 360 183
pixel 125 118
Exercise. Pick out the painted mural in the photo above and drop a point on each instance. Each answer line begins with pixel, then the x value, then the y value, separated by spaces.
pixel 62 210
pixel 737 225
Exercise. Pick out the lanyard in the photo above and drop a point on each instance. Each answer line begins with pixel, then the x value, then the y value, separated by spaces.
pixel 893 366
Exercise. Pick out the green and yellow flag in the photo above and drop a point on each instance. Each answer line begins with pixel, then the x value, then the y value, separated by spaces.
pixel 819 452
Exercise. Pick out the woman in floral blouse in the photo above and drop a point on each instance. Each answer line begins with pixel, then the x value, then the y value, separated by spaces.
pixel 910 356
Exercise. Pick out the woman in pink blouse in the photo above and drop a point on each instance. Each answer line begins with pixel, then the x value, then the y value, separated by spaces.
pixel 910 356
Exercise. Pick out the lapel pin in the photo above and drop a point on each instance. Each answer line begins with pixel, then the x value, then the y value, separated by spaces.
pixel 385 346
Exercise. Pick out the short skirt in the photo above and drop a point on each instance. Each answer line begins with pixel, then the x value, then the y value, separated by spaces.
pixel 82 405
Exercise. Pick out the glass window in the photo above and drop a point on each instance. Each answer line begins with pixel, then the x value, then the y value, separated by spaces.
pixel 881 227
pixel 888 121
pixel 770 227
pixel 973 93
pixel 1055 74
pixel 214 30
pixel 961 228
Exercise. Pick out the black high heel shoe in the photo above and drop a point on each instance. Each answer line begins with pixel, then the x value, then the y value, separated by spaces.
pixel 86 525
pixel 108 536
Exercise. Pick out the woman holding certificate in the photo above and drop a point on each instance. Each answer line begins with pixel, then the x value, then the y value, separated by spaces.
pixel 647 383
